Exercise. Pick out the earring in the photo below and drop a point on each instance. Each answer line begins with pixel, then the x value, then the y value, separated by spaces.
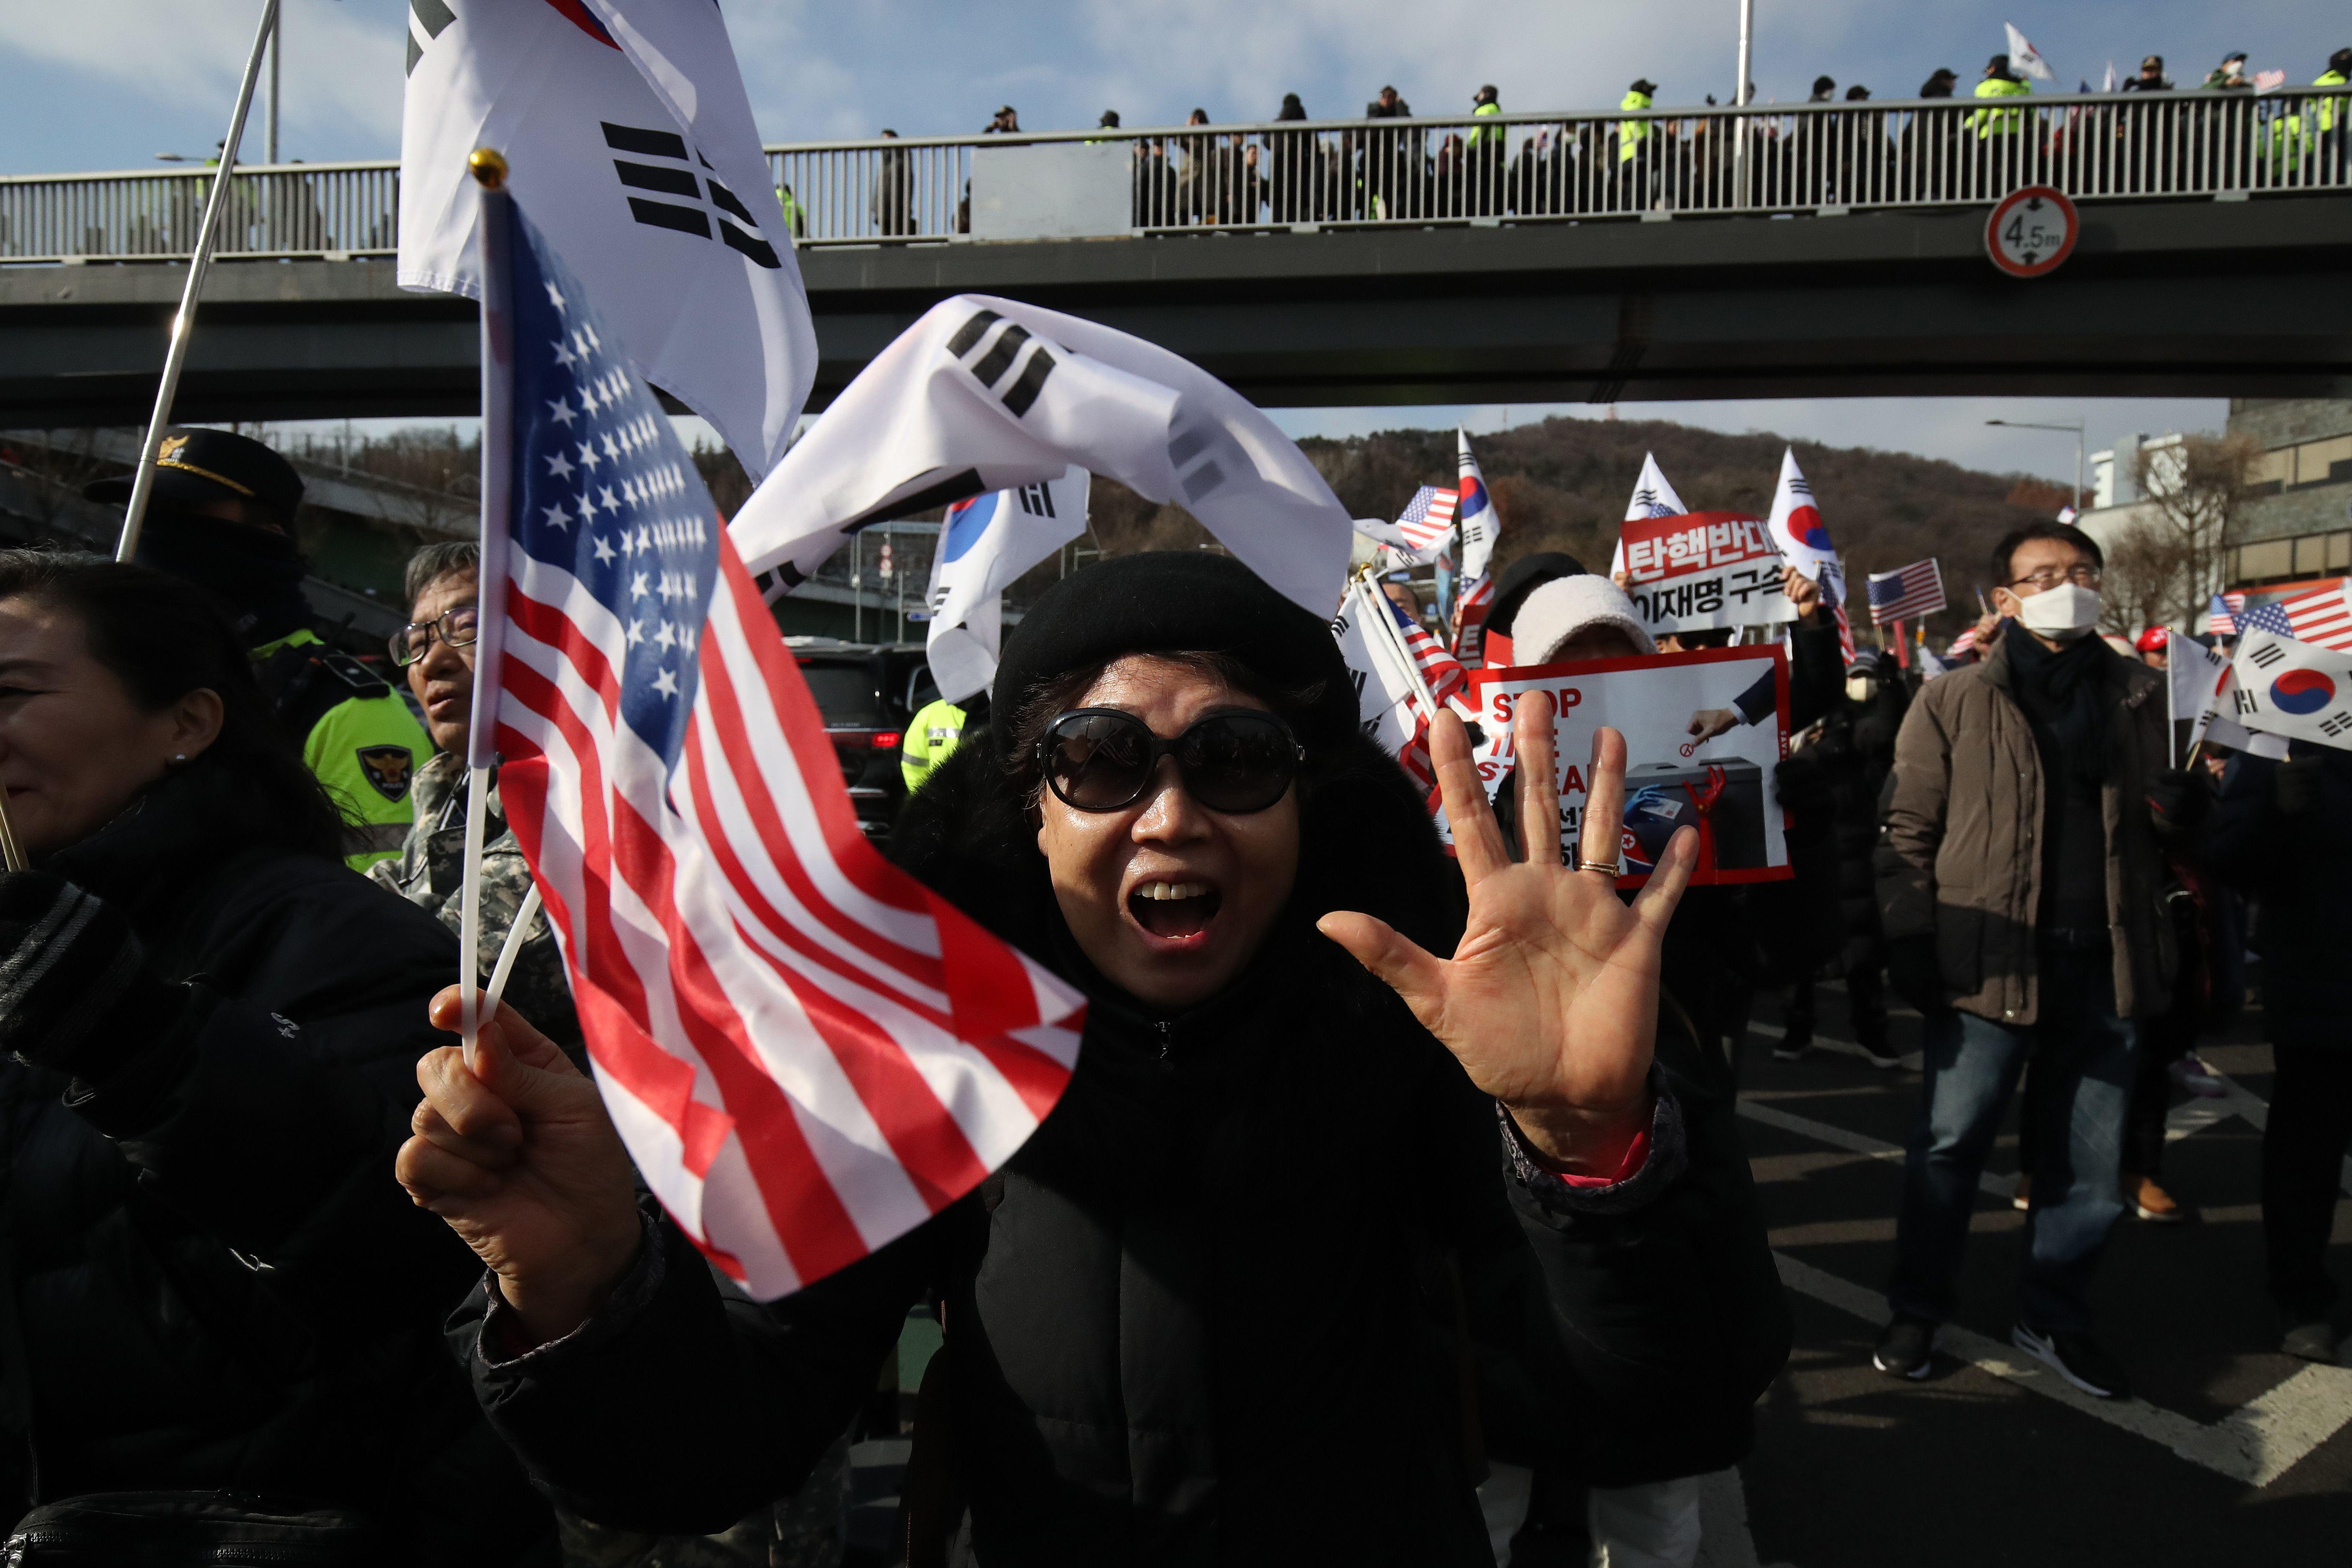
pixel 179 757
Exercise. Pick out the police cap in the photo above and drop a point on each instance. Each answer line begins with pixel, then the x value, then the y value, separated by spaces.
pixel 196 466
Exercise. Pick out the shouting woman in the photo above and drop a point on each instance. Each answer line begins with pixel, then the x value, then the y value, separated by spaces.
pixel 1313 1189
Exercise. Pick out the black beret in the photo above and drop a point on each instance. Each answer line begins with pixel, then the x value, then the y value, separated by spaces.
pixel 193 465
pixel 1177 602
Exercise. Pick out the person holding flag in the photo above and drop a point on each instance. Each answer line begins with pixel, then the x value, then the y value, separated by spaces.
pixel 1166 819
pixel 2283 833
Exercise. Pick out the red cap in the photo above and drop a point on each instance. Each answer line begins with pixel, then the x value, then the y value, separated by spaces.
pixel 2152 640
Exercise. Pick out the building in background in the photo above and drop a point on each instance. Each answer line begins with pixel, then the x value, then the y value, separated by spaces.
pixel 2298 528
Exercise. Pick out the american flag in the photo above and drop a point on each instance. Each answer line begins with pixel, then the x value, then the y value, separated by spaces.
pixel 1427 519
pixel 1962 644
pixel 1470 620
pixel 2222 615
pixel 1913 590
pixel 1440 671
pixel 806 1051
pixel 2322 617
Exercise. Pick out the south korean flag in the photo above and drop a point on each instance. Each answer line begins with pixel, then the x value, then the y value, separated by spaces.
pixel 2296 690
pixel 987 394
pixel 627 133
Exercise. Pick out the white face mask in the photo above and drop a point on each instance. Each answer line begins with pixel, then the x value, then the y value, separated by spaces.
pixel 2065 612
pixel 1857 686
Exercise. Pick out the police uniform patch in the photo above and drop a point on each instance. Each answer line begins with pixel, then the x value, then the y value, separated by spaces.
pixel 389 768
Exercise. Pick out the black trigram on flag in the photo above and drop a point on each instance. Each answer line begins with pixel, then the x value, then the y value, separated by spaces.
pixel 990 366
pixel 2245 700
pixel 1038 500
pixel 2269 653
pixel 676 176
pixel 2335 724
pixel 428 17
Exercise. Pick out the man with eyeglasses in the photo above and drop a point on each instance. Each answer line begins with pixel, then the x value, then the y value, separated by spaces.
pixel 435 650
pixel 2019 876
pixel 222 516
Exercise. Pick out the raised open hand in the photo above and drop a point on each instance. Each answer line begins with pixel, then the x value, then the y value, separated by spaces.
pixel 518 1155
pixel 1551 1000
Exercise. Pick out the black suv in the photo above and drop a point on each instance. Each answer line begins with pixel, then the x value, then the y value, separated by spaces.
pixel 867 693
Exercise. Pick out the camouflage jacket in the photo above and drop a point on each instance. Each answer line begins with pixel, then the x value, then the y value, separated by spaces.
pixel 428 871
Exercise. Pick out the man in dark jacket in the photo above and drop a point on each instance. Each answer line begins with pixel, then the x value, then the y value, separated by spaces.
pixel 1853 752
pixel 2019 881
pixel 2283 833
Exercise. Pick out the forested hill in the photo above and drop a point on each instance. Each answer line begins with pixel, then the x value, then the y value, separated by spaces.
pixel 1562 485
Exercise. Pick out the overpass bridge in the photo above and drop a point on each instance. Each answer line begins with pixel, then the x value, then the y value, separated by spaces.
pixel 1813 250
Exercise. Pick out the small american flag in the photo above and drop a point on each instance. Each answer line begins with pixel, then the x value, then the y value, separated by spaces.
pixel 1962 644
pixel 1445 679
pixel 807 1052
pixel 1427 518
pixel 1914 590
pixel 2222 615
pixel 2322 617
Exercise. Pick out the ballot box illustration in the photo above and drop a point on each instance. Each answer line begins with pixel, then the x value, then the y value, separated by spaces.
pixel 1723 797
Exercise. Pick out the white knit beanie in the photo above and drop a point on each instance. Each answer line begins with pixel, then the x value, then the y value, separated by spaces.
pixel 1567 605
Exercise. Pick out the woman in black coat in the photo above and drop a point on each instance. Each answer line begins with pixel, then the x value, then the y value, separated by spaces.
pixel 1234 1298
pixel 210 1290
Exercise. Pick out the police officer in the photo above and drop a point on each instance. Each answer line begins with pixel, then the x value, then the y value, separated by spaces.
pixel 222 515
pixel 1632 149
pixel 936 731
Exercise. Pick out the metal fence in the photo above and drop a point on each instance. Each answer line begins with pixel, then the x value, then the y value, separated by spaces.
pixel 1516 168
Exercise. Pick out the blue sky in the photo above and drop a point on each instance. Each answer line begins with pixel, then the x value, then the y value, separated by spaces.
pixel 92 84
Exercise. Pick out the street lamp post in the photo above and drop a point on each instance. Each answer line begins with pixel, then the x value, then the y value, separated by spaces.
pixel 2076 429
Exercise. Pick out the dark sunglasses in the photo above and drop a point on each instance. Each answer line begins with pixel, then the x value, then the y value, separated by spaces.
pixel 1101 759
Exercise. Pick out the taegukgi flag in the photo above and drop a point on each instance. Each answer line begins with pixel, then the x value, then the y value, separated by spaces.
pixel 986 543
pixel 625 127
pixel 2297 689
pixel 1803 541
pixel 984 393
pixel 1653 497
pixel 1474 511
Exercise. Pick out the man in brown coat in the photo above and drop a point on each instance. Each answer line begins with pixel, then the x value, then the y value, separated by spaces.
pixel 2019 878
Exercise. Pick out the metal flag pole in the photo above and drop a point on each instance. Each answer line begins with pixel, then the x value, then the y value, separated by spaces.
pixel 143 479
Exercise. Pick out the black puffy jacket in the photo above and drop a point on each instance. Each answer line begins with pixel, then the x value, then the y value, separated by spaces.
pixel 1211 1312
pixel 210 1277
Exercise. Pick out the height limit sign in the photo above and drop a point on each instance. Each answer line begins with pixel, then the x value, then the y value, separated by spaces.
pixel 2032 231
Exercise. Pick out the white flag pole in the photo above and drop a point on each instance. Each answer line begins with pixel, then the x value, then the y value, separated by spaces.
pixel 509 948
pixel 490 171
pixel 175 356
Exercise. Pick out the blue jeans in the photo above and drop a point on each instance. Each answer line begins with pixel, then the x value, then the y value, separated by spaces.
pixel 2082 1072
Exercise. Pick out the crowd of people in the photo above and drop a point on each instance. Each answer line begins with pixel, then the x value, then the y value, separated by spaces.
pixel 1644 159
pixel 1329 1226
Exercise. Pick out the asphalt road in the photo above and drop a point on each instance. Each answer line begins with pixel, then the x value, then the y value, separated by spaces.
pixel 2231 1452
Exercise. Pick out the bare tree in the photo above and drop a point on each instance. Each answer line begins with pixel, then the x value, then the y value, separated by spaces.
pixel 2196 489
pixel 2147 564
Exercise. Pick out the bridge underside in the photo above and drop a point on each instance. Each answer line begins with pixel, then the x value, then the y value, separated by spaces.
pixel 2189 297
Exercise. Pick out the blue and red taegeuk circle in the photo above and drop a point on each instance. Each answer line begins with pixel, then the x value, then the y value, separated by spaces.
pixel 2301 691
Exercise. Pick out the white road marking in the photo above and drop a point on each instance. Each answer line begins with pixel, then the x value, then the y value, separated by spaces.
pixel 2255 1444
pixel 1998 1186
pixel 1725 1541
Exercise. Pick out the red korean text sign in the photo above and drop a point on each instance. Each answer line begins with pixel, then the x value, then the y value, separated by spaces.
pixel 1702 571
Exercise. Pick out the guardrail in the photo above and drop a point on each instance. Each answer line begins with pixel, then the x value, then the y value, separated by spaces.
pixel 1503 168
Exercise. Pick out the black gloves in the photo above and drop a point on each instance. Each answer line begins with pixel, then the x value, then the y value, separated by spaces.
pixel 2179 800
pixel 1917 977
pixel 2295 786
pixel 75 994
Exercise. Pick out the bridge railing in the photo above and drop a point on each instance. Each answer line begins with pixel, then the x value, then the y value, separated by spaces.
pixel 1507 168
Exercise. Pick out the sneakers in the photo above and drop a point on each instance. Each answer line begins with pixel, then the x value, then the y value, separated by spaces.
pixel 2075 1357
pixel 1878 1056
pixel 1792 1046
pixel 1904 1348
pixel 2151 1202
pixel 2312 1342
pixel 2022 1198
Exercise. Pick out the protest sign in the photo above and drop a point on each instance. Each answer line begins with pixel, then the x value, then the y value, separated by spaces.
pixel 1691 761
pixel 1701 571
